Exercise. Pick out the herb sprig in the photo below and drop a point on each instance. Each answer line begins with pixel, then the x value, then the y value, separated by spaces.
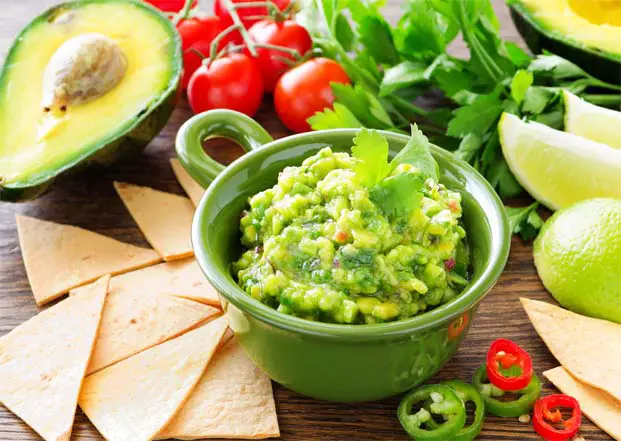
pixel 392 66
pixel 399 194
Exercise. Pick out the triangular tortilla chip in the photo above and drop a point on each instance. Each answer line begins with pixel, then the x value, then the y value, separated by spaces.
pixel 192 188
pixel 61 257
pixel 600 407
pixel 42 362
pixel 234 399
pixel 136 398
pixel 180 278
pixel 165 219
pixel 137 318
pixel 577 343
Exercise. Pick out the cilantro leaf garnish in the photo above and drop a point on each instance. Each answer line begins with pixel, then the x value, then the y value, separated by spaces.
pixel 371 150
pixel 417 152
pixel 398 195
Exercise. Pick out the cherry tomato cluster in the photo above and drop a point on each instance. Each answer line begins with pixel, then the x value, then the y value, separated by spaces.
pixel 231 59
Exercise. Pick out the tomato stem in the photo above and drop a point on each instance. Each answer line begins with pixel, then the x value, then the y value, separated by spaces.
pixel 230 7
pixel 271 6
pixel 229 49
pixel 199 53
pixel 213 50
pixel 184 13
pixel 287 50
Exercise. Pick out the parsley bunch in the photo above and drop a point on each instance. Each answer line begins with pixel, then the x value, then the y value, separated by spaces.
pixel 394 67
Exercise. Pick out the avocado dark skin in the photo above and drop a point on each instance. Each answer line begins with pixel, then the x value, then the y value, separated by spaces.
pixel 595 62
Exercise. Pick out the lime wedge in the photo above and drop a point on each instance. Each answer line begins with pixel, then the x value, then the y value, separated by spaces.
pixel 592 122
pixel 559 168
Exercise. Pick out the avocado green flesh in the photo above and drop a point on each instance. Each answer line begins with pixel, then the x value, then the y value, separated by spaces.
pixel 319 248
pixel 575 30
pixel 36 147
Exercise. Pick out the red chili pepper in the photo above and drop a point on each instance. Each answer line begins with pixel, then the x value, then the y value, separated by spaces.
pixel 506 354
pixel 547 412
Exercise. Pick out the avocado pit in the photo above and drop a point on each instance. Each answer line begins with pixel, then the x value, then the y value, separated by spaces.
pixel 82 69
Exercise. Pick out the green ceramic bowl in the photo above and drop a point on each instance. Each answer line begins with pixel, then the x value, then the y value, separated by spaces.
pixel 334 362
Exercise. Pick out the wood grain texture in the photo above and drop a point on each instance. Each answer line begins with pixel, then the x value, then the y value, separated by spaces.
pixel 88 200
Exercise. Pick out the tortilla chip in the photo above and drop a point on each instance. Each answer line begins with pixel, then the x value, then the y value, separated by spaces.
pixel 42 362
pixel 234 399
pixel 61 257
pixel 136 398
pixel 192 188
pixel 164 218
pixel 138 317
pixel 180 278
pixel 585 346
pixel 600 407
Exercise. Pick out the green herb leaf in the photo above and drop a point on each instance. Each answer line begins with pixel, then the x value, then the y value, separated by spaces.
pixel 501 178
pixel 520 83
pixel 555 67
pixel 376 36
pixel 469 147
pixel 477 117
pixel 364 105
pixel 403 75
pixel 368 63
pixel 417 152
pixel 425 30
pixel 344 33
pixel 525 220
pixel 516 54
pixel 338 118
pixel 452 78
pixel 554 118
pixel 329 12
pixel 537 99
pixel 371 150
pixel 398 195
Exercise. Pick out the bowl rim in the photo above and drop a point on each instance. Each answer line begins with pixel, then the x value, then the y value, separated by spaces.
pixel 473 294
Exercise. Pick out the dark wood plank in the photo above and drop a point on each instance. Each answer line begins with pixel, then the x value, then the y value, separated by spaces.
pixel 88 200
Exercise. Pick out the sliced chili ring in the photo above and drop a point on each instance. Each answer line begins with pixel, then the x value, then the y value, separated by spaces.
pixel 466 394
pixel 507 354
pixel 436 399
pixel 506 409
pixel 547 412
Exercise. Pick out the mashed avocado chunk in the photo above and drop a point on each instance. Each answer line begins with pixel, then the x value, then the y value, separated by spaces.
pixel 328 243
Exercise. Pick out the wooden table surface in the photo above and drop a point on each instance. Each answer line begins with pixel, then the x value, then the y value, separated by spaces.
pixel 88 200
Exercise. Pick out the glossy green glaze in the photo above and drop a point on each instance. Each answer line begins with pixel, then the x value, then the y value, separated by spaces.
pixel 328 361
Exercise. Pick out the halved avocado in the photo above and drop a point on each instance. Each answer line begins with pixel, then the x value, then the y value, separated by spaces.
pixel 587 32
pixel 36 144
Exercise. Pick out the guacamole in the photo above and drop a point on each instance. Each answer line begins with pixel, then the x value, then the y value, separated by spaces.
pixel 320 248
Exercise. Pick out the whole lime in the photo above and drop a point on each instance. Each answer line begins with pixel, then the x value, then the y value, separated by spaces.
pixel 578 257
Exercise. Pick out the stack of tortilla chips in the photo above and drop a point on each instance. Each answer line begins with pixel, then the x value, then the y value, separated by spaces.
pixel 140 345
pixel 589 352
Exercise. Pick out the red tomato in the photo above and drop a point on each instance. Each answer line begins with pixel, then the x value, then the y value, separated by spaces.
pixel 305 90
pixel 231 82
pixel 287 34
pixel 197 33
pixel 170 5
pixel 248 16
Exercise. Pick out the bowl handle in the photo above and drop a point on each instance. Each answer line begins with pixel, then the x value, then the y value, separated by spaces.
pixel 215 123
